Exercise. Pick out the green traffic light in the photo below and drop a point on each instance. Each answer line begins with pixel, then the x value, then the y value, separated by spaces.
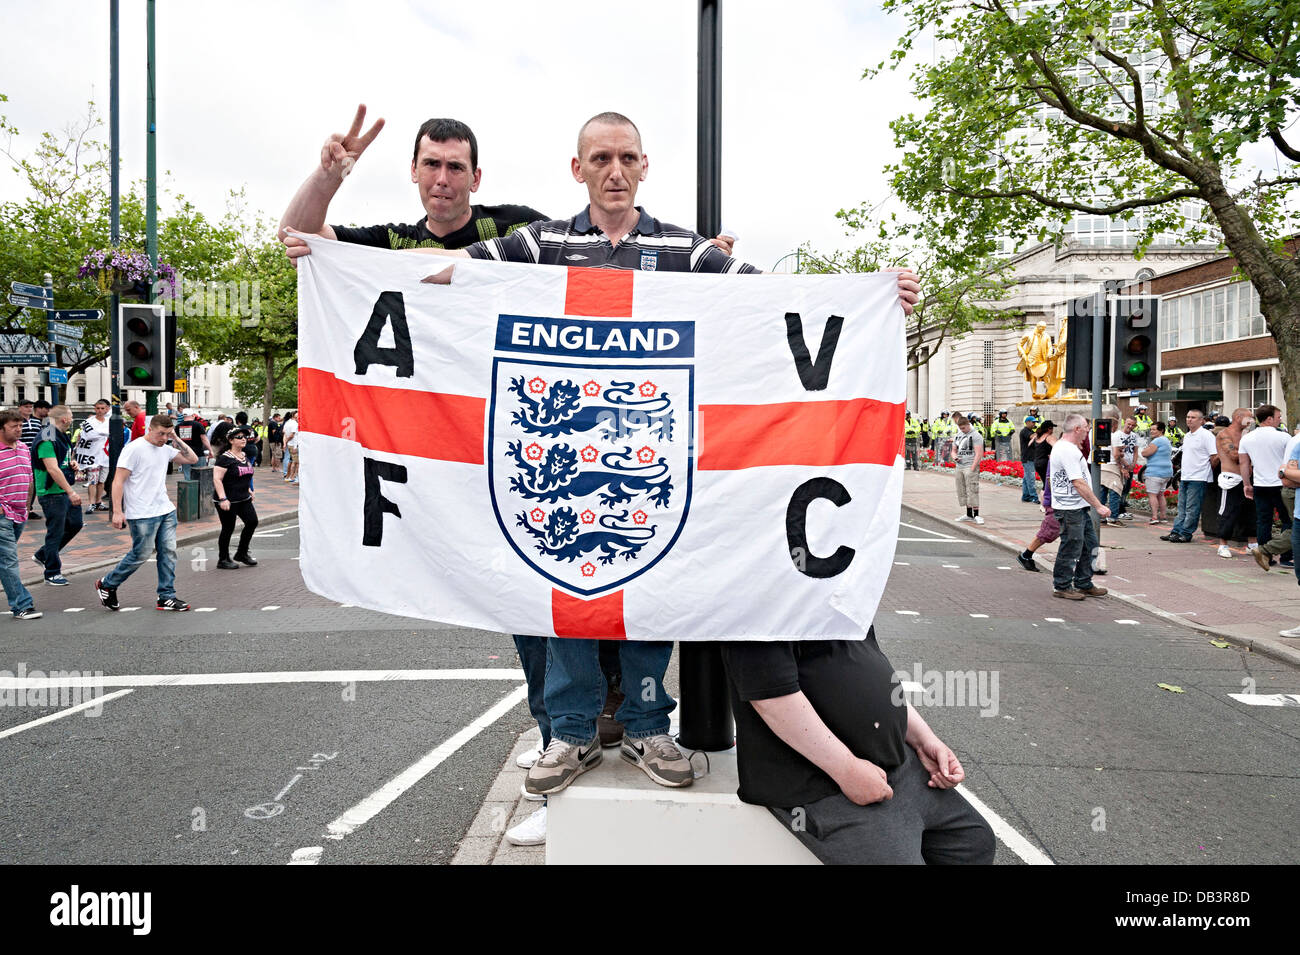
pixel 139 374
pixel 1137 370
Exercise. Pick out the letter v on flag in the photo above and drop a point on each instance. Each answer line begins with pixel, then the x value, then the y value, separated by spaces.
pixel 599 453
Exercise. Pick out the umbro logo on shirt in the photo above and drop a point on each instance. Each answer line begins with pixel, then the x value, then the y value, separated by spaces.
pixel 575 258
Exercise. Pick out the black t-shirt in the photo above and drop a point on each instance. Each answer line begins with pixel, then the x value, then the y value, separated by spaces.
pixel 850 684
pixel 1026 449
pixel 275 432
pixel 1042 454
pixel 190 431
pixel 237 480
pixel 486 222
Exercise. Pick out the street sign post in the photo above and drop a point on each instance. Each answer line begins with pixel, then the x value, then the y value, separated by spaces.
pixel 58 376
pixel 62 328
pixel 29 301
pixel 27 358
pixel 67 341
pixel 32 291
pixel 180 386
pixel 76 315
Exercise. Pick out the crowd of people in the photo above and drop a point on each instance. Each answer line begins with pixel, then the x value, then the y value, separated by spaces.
pixel 1247 456
pixel 44 459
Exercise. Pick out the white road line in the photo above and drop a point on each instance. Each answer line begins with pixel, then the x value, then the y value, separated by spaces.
pixel 1261 699
pixel 952 566
pixel 308 855
pixel 1004 568
pixel 126 609
pixel 73 609
pixel 926 530
pixel 272 607
pixel 932 540
pixel 1028 852
pixel 908 613
pixel 204 609
pixel 911 686
pixel 267 534
pixel 97 701
pixel 1131 623
pixel 980 616
pixel 1055 619
pixel 246 679
pixel 901 563
pixel 381 798
pixel 280 795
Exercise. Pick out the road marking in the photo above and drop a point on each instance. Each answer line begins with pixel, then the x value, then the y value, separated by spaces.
pixel 73 609
pixel 1004 568
pixel 1055 619
pixel 246 679
pixel 280 794
pixel 980 616
pixel 1260 699
pixel 1026 850
pixel 97 701
pixel 908 613
pixel 381 798
pixel 910 686
pixel 1131 623
pixel 126 609
pixel 268 534
pixel 204 609
pixel 309 855
pixel 272 607
pixel 933 540
pixel 926 530
pixel 952 566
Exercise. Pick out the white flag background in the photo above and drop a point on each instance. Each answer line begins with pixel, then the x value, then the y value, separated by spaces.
pixel 579 452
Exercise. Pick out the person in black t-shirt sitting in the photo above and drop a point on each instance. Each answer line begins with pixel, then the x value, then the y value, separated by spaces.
pixel 232 489
pixel 827 742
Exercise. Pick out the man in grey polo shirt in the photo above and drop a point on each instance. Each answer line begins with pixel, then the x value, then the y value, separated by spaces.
pixel 612 232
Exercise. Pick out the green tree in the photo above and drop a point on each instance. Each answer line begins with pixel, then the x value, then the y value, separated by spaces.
pixel 1137 109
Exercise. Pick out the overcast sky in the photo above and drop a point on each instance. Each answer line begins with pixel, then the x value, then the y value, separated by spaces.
pixel 247 92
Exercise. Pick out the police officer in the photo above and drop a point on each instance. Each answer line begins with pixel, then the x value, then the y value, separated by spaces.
pixel 943 431
pixel 1173 432
pixel 1143 421
pixel 1000 431
pixel 1033 413
pixel 911 442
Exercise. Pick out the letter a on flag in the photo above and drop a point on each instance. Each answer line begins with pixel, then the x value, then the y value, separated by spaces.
pixel 599 453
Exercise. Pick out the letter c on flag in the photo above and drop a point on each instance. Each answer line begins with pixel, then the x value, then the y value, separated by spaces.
pixel 796 528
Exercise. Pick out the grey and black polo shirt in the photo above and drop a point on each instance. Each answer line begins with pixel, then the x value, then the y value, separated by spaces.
pixel 651 246
pixel 486 222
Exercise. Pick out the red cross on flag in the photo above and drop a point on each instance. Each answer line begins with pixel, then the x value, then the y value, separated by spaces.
pixel 599 453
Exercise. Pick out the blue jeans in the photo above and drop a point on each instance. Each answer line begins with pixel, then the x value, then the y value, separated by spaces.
pixel 19 597
pixel 1028 489
pixel 1295 545
pixel 1190 496
pixel 1073 568
pixel 186 471
pixel 62 523
pixel 532 655
pixel 575 688
pixel 148 534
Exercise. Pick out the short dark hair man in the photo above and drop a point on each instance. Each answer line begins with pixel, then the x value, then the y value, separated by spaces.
pixel 54 478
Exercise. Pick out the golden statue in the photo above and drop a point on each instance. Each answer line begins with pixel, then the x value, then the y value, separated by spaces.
pixel 1041 362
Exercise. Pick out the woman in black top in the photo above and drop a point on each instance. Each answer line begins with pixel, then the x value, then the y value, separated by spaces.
pixel 232 488
pixel 1042 450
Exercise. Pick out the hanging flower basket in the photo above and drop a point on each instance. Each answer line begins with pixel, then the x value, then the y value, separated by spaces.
pixel 125 272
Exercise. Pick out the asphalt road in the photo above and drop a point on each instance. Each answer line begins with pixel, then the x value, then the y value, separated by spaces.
pixel 1084 754
pixel 1064 733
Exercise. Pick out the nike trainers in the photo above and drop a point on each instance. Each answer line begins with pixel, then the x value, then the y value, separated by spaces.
pixel 660 759
pixel 561 764
pixel 107 595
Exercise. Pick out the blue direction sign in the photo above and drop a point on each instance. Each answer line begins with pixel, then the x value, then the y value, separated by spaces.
pixel 66 340
pixel 58 376
pixel 76 315
pixel 34 291
pixel 28 301
pixel 67 331
pixel 27 358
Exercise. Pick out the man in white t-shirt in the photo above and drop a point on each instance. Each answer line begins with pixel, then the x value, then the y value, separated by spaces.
pixel 1261 455
pixel 1199 454
pixel 1072 498
pixel 968 445
pixel 91 454
pixel 141 478
pixel 291 448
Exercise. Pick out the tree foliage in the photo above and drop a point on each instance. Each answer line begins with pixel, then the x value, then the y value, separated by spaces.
pixel 1136 109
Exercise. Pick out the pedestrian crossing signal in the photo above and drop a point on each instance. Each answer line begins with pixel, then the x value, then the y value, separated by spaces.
pixel 145 347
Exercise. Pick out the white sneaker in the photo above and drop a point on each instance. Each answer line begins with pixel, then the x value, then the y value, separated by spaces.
pixel 1224 552
pixel 526 759
pixel 964 517
pixel 1293 632
pixel 1253 545
pixel 977 519
pixel 530 832
pixel 531 797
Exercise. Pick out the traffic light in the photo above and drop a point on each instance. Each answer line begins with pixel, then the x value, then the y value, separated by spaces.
pixel 1136 343
pixel 1078 342
pixel 1103 430
pixel 145 347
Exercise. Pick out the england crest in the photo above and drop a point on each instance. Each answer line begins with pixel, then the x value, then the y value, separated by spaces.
pixel 590 465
